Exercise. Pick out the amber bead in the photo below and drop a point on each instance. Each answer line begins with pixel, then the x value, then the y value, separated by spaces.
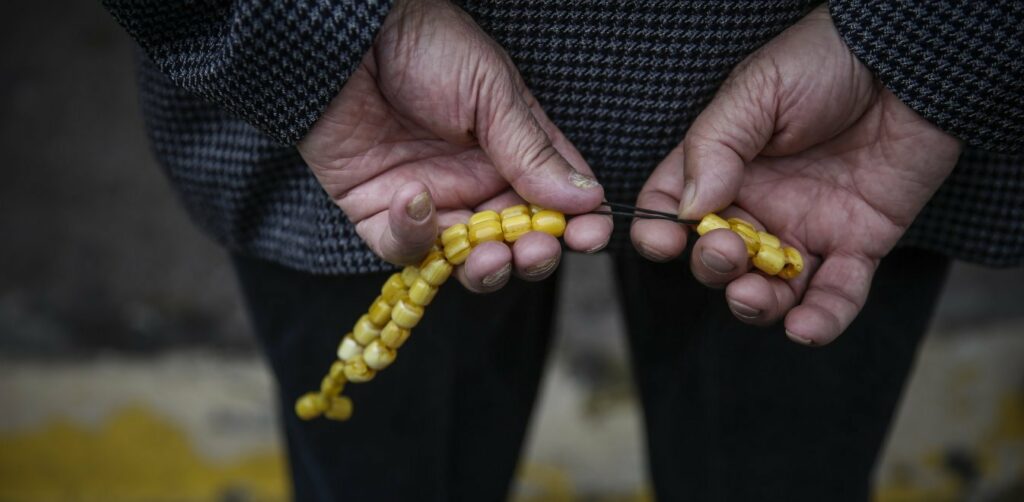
pixel 310 406
pixel 337 371
pixel 515 226
pixel 394 335
pixel 379 356
pixel 380 311
pixel 356 370
pixel 794 263
pixel 770 260
pixel 454 232
pixel 457 250
pixel 394 289
pixel 349 348
pixel 406 314
pixel 421 293
pixel 710 222
pixel 432 256
pixel 549 222
pixel 516 210
pixel 436 271
pixel 365 331
pixel 339 408
pixel 741 222
pixel 483 216
pixel 409 275
pixel 767 239
pixel 330 386
pixel 748 234
pixel 485 231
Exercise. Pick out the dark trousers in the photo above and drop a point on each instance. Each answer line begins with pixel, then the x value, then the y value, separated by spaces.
pixel 732 412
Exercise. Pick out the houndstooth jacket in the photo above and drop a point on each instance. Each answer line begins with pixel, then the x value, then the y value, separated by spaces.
pixel 228 88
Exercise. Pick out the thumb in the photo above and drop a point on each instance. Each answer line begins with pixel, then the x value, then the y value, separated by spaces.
pixel 730 132
pixel 523 153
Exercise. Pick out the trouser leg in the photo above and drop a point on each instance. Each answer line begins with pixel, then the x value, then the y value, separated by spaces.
pixel 740 413
pixel 444 422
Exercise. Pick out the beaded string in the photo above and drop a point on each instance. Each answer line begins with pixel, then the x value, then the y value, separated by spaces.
pixel 373 343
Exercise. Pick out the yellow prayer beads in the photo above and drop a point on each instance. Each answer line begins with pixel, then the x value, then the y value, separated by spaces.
pixel 349 348
pixel 357 371
pixel 310 406
pixel 711 222
pixel 794 264
pixel 763 248
pixel 484 226
pixel 365 331
pixel 549 222
pixel 394 335
pixel 393 290
pixel 456 244
pixel 339 408
pixel 435 271
pixel 379 356
pixel 422 292
pixel 769 260
pixel 373 343
pixel 746 232
pixel 380 311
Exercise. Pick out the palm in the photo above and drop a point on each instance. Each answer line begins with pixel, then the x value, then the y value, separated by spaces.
pixel 851 194
pixel 384 147
pixel 437 108
pixel 804 141
pixel 401 120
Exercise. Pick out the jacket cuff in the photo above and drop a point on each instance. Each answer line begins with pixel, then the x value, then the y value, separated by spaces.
pixel 959 64
pixel 274 64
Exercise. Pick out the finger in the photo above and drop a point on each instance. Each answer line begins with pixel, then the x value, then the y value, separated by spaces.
pixel 487 269
pixel 503 200
pixel 411 227
pixel 759 300
pixel 659 240
pixel 536 256
pixel 834 297
pixel 588 233
pixel 730 132
pixel 523 153
pixel 558 140
pixel 719 257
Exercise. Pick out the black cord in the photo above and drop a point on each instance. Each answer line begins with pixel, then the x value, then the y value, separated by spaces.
pixel 643 213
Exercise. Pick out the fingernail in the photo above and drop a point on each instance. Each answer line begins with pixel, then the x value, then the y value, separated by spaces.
pixel 716 261
pixel 498 277
pixel 799 339
pixel 743 310
pixel 650 253
pixel 597 248
pixel 689 195
pixel 543 268
pixel 419 207
pixel 581 180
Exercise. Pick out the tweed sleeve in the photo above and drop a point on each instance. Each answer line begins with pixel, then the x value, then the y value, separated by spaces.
pixel 274 64
pixel 958 63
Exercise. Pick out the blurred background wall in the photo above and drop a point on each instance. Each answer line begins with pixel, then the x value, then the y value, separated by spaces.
pixel 128 373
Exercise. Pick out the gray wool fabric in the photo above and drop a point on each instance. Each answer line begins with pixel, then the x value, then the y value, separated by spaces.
pixel 228 87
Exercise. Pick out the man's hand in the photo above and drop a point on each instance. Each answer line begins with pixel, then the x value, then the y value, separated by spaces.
pixel 804 141
pixel 436 123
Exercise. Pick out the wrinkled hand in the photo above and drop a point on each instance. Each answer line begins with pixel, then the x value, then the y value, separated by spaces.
pixel 437 123
pixel 804 141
